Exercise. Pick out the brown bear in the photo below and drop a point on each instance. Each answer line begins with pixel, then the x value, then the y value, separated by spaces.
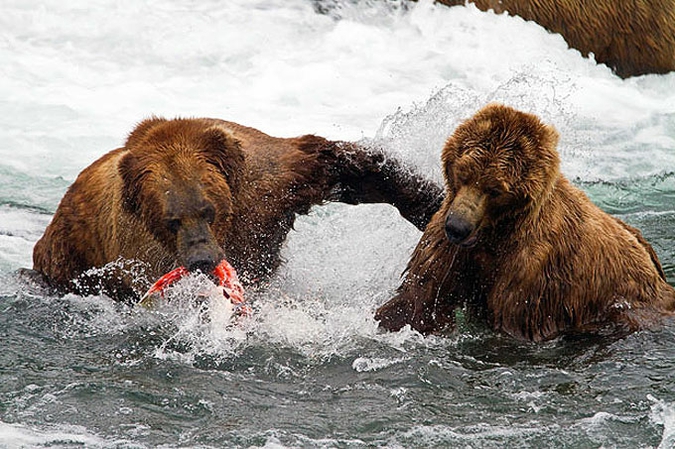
pixel 190 192
pixel 631 37
pixel 521 248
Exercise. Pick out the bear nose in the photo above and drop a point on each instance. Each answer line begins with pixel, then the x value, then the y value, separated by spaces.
pixel 198 249
pixel 203 261
pixel 457 228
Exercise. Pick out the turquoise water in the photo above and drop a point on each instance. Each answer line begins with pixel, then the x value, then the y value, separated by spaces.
pixel 83 371
pixel 309 368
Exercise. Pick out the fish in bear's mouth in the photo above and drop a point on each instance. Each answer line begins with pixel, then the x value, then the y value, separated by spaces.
pixel 225 275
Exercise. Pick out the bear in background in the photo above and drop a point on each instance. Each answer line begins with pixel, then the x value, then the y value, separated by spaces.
pixel 520 248
pixel 632 37
pixel 190 192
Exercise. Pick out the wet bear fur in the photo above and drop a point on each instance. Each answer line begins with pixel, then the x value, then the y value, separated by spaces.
pixel 633 37
pixel 188 192
pixel 520 248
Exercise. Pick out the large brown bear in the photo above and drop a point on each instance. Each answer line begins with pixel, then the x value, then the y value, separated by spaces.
pixel 521 248
pixel 192 191
pixel 632 37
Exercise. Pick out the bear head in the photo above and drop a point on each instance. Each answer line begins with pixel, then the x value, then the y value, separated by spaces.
pixel 498 165
pixel 179 180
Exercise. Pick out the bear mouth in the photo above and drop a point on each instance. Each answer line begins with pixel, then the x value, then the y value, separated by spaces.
pixel 470 241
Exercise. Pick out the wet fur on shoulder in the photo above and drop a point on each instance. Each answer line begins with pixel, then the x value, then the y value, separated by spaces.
pixel 520 247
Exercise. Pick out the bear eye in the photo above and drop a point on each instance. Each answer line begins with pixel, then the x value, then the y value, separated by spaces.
pixel 173 224
pixel 208 213
pixel 461 177
pixel 494 192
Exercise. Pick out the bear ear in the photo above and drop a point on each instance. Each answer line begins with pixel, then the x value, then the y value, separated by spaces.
pixel 224 152
pixel 548 143
pixel 142 129
pixel 548 164
pixel 551 137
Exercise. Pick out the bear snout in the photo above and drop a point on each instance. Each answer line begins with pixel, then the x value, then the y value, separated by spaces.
pixel 458 229
pixel 464 217
pixel 202 261
pixel 202 257
pixel 198 249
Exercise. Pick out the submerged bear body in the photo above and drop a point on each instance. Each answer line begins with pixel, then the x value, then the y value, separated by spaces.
pixel 518 246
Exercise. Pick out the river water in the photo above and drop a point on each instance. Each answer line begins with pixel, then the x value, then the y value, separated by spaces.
pixel 309 368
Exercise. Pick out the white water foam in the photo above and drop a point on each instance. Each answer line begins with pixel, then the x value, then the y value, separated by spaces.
pixel 663 414
pixel 15 436
pixel 446 436
pixel 204 321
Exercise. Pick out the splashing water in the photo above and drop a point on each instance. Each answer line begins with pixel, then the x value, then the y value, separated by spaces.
pixel 205 320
